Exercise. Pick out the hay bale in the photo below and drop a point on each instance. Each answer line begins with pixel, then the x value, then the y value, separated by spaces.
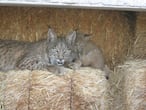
pixel 116 93
pixel 85 89
pixel 130 86
pixel 14 90
pixel 90 90
pixel 139 47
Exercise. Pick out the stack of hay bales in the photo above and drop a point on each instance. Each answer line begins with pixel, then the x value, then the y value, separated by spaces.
pixel 85 89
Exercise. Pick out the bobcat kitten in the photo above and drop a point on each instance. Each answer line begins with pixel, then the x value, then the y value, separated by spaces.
pixel 53 51
pixel 88 54
pixel 38 55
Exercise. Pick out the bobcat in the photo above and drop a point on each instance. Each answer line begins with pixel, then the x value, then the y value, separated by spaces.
pixel 88 54
pixel 44 54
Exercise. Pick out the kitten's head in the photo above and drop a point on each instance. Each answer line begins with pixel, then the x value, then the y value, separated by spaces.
pixel 81 40
pixel 60 49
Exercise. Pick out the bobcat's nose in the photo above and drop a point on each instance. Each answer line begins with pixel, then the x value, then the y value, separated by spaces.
pixel 60 62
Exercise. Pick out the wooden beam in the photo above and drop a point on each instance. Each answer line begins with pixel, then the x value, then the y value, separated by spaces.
pixel 130 5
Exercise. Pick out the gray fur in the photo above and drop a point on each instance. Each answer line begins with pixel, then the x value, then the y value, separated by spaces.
pixel 37 55
pixel 88 54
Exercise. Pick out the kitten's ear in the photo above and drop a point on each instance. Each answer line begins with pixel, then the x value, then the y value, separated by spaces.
pixel 51 36
pixel 87 36
pixel 71 37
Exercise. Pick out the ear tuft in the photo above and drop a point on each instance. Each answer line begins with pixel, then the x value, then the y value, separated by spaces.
pixel 87 36
pixel 71 37
pixel 51 36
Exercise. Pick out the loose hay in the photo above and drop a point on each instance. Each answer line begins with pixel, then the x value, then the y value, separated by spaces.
pixel 129 86
pixel 84 89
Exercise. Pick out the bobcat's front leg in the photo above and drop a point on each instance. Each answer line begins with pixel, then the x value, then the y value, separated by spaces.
pixel 34 63
pixel 58 70
pixel 75 65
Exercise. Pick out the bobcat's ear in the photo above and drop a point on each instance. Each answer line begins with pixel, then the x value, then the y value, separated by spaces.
pixel 51 36
pixel 71 37
pixel 87 36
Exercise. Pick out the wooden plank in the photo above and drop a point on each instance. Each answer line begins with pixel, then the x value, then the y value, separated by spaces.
pixel 133 5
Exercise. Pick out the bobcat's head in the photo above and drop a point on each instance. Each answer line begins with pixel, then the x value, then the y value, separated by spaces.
pixel 60 50
pixel 81 40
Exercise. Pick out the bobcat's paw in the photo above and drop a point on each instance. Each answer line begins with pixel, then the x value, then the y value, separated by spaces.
pixel 74 66
pixel 61 70
pixel 56 70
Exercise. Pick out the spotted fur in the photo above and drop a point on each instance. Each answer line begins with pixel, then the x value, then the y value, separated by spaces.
pixel 37 55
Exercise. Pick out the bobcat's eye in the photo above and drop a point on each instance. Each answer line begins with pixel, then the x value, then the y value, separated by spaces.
pixel 56 51
pixel 64 52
